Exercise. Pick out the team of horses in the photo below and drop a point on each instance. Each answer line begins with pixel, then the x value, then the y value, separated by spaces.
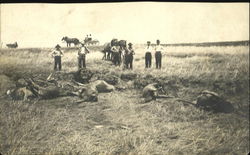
pixel 75 41
pixel 108 55
pixel 107 47
pixel 70 41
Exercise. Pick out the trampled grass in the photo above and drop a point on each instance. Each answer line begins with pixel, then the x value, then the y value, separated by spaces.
pixel 119 123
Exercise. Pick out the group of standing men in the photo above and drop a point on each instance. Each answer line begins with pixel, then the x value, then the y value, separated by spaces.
pixel 120 54
pixel 158 55
pixel 123 54
pixel 57 53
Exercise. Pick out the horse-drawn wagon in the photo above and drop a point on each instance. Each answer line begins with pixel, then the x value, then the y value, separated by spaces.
pixel 14 45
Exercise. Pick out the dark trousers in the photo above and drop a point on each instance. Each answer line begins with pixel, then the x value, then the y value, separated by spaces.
pixel 158 57
pixel 116 58
pixel 112 56
pixel 148 59
pixel 129 61
pixel 57 63
pixel 120 59
pixel 82 61
pixel 109 55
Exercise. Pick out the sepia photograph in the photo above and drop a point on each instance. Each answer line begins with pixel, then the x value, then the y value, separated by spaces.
pixel 124 78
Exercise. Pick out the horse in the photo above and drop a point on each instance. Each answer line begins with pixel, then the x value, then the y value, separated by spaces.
pixel 68 40
pixel 91 42
pixel 107 51
pixel 122 43
pixel 108 55
pixel 114 42
pixel 15 45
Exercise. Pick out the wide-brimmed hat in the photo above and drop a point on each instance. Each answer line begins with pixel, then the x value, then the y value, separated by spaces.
pixel 58 46
pixel 130 44
pixel 148 42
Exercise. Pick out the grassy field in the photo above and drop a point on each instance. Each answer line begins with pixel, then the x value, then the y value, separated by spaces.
pixel 120 123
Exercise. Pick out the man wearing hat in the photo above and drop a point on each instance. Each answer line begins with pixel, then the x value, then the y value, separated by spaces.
pixel 82 51
pixel 158 55
pixel 57 53
pixel 148 55
pixel 129 56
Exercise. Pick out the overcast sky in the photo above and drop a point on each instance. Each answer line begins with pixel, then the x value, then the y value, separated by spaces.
pixel 38 25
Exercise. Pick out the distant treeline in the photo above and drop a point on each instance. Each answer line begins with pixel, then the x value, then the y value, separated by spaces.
pixel 225 43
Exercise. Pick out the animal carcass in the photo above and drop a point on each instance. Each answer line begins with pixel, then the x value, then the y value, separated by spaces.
pixel 211 101
pixel 21 94
pixel 102 87
pixel 150 92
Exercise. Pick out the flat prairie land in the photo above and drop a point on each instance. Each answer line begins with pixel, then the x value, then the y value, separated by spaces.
pixel 120 123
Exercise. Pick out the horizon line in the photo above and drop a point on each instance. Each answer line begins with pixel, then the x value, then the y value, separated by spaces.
pixel 182 43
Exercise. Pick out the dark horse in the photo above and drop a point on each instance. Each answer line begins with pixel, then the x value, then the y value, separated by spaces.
pixel 107 51
pixel 15 45
pixel 68 40
pixel 122 43
pixel 108 55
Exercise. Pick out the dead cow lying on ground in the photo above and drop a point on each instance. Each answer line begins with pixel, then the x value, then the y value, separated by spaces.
pixel 207 100
pixel 28 89
pixel 211 101
pixel 151 92
pixel 87 92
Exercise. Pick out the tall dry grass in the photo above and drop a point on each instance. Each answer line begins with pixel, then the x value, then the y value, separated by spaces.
pixel 228 62
pixel 118 123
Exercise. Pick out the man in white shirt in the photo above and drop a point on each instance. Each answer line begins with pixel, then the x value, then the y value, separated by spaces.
pixel 158 55
pixel 82 51
pixel 116 54
pixel 129 52
pixel 57 53
pixel 121 55
pixel 148 55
